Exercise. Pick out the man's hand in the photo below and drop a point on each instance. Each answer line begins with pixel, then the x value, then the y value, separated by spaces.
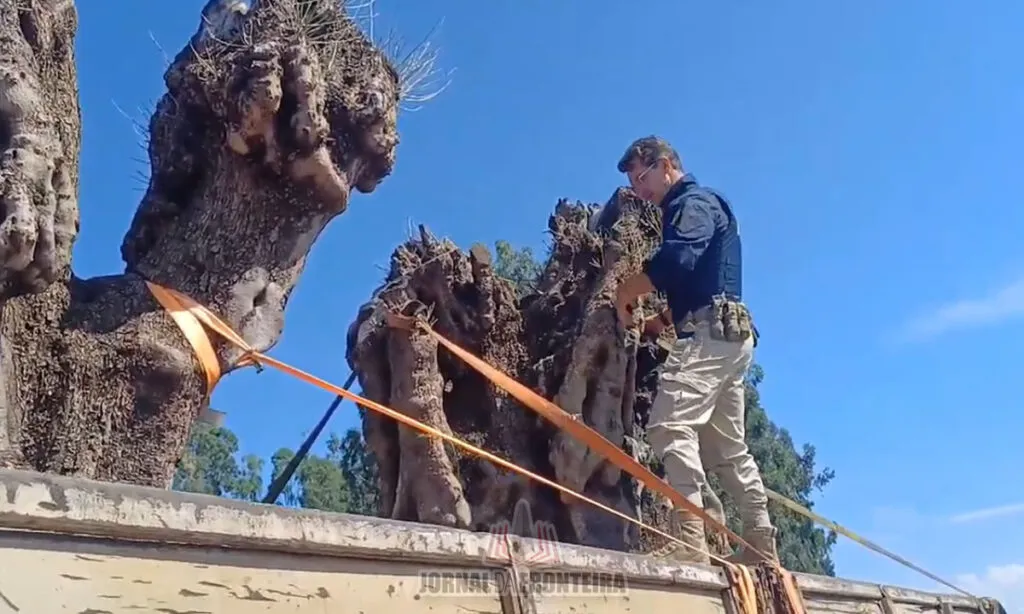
pixel 628 292
pixel 653 327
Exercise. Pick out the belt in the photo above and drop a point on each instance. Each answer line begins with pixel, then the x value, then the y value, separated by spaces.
pixel 700 314
pixel 696 315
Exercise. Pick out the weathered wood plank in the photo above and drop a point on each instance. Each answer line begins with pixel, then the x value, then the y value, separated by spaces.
pixel 87 542
pixel 637 599
pixel 48 573
pixel 64 505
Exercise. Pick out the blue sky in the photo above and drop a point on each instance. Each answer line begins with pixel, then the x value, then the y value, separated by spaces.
pixel 869 148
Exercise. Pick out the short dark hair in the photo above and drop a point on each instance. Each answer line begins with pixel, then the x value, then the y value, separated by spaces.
pixel 647 151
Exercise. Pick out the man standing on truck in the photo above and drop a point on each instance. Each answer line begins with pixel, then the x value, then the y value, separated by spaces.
pixel 697 418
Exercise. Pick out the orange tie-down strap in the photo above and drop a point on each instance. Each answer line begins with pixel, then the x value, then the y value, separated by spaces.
pixel 743 585
pixel 578 429
pixel 192 317
pixel 193 331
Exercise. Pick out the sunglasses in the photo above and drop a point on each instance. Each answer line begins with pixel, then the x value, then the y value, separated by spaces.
pixel 635 180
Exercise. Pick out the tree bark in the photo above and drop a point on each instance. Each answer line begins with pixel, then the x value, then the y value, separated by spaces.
pixel 563 341
pixel 273 113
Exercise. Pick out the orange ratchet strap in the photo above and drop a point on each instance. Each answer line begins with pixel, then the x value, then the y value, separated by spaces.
pixel 741 584
pixel 191 317
pixel 173 303
pixel 579 430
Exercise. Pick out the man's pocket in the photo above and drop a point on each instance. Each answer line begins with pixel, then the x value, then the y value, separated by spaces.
pixel 686 386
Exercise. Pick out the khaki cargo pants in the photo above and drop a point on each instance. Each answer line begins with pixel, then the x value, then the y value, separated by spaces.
pixel 697 421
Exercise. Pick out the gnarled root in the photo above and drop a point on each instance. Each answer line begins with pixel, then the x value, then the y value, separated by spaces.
pixel 563 340
pixel 590 361
pixel 427 488
pixel 473 308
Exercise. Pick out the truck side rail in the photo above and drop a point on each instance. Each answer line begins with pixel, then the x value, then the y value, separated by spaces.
pixel 94 547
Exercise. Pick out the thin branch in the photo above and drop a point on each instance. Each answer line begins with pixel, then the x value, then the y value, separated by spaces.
pixel 419 77
pixel 163 52
pixel 140 129
pixel 355 10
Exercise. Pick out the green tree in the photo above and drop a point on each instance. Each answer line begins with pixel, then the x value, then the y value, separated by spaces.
pixel 278 461
pixel 344 480
pixel 359 467
pixel 318 483
pixel 249 483
pixel 518 266
pixel 323 485
pixel 210 466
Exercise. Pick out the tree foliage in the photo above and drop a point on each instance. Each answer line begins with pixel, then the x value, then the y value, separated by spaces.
pixel 210 466
pixel 519 266
pixel 359 468
pixel 343 480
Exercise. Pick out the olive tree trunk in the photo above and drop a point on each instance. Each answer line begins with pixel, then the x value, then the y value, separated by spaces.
pixel 563 341
pixel 273 114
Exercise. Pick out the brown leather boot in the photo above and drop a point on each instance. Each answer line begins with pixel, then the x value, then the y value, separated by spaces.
pixel 762 538
pixel 690 530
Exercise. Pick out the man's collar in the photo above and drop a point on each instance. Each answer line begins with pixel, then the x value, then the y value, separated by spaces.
pixel 684 183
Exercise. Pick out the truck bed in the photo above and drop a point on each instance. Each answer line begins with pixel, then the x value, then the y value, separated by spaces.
pixel 73 545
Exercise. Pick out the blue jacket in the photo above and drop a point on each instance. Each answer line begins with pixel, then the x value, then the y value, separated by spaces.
pixel 700 254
